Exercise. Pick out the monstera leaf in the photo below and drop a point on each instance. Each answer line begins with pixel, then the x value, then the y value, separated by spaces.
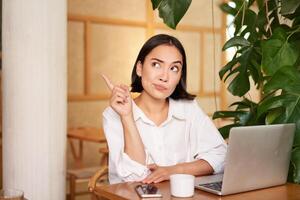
pixel 278 52
pixel 241 67
pixel 237 41
pixel 171 11
pixel 286 78
pixel 243 115
pixel 289 6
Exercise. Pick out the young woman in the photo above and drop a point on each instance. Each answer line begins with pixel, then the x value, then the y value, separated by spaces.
pixel 163 131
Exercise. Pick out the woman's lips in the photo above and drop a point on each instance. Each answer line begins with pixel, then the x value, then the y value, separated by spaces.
pixel 160 87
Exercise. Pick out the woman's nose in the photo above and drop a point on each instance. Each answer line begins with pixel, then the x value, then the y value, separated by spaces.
pixel 164 76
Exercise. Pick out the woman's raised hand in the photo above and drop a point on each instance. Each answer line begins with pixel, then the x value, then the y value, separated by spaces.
pixel 120 99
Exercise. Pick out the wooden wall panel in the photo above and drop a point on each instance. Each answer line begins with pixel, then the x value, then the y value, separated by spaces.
pixel 205 9
pixel 199 14
pixel 208 103
pixel 75 58
pixel 212 68
pixel 87 113
pixel 113 55
pixel 117 9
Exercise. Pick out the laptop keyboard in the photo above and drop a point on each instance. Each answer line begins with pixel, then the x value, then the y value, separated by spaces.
pixel 215 186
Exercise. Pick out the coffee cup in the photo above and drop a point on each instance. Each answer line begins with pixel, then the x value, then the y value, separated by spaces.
pixel 182 185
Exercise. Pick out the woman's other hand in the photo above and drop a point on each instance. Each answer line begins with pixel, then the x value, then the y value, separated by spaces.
pixel 120 99
pixel 197 168
pixel 158 174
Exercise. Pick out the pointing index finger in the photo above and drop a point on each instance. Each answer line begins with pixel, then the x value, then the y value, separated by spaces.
pixel 108 82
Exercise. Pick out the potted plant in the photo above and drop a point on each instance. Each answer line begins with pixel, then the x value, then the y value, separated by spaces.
pixel 267 50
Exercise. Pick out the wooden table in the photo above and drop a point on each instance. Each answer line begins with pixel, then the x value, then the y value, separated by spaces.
pixel 124 191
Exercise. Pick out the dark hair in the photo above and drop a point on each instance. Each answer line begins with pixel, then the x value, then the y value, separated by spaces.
pixel 162 39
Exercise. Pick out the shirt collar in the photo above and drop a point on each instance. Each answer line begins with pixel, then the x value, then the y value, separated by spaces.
pixel 176 110
pixel 139 114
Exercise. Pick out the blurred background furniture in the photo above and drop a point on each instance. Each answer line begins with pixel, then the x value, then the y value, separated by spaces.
pixel 100 174
pixel 81 173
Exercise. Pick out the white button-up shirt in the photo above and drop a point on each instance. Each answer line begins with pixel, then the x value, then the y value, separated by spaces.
pixel 188 134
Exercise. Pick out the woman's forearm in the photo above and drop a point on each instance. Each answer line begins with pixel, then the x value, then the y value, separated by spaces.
pixel 196 168
pixel 133 145
pixel 160 173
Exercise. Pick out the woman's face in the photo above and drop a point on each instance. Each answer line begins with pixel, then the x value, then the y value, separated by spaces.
pixel 161 71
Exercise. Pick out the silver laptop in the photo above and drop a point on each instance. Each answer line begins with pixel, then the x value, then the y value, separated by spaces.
pixel 257 157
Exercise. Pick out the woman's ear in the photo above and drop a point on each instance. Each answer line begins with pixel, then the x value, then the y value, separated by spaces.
pixel 139 67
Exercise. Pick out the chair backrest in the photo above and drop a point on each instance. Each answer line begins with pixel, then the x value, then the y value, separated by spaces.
pixel 93 180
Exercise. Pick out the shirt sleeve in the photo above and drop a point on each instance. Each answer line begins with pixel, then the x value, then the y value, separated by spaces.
pixel 209 144
pixel 120 164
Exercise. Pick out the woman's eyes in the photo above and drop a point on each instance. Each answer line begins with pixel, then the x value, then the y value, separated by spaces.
pixel 156 65
pixel 174 68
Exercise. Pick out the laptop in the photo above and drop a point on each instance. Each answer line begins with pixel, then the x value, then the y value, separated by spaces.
pixel 257 157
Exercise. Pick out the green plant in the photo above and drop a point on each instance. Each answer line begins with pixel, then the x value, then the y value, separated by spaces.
pixel 171 11
pixel 267 50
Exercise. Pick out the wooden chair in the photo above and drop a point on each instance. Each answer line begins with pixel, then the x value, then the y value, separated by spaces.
pixel 83 174
pixel 104 159
pixel 102 172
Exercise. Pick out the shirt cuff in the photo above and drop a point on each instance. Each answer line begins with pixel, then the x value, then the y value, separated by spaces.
pixel 131 170
pixel 216 158
pixel 214 162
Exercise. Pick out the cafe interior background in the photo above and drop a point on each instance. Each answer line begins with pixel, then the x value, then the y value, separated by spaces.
pixel 105 37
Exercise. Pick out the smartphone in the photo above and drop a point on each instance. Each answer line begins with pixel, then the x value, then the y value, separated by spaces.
pixel 147 191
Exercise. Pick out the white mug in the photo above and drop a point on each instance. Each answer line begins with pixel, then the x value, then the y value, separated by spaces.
pixel 182 185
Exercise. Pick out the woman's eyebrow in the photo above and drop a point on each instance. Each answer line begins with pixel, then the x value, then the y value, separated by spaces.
pixel 157 60
pixel 161 61
pixel 178 62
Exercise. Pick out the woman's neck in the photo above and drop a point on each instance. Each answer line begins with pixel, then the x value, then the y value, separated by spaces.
pixel 154 109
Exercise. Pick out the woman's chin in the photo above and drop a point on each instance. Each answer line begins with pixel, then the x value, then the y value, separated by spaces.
pixel 160 95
